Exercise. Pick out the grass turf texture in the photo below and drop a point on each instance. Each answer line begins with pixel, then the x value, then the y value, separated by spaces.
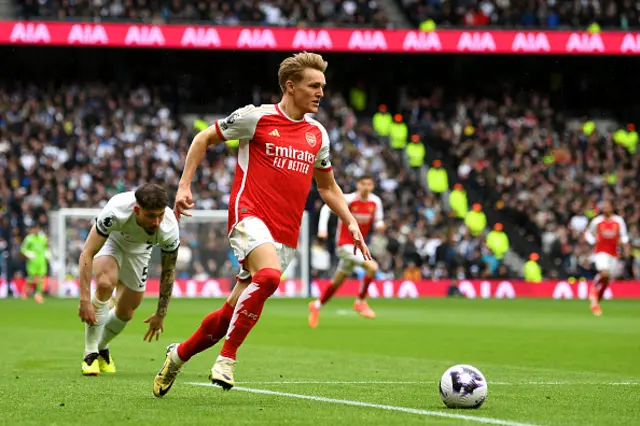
pixel 547 363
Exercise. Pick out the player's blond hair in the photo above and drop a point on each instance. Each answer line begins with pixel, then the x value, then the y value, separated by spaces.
pixel 293 67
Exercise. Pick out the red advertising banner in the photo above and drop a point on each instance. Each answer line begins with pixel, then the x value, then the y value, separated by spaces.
pixel 338 40
pixel 473 289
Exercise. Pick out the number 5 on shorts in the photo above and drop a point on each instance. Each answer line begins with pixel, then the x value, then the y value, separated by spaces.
pixel 145 274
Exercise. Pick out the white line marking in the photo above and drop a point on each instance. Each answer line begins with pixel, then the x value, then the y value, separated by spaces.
pixel 485 420
pixel 429 383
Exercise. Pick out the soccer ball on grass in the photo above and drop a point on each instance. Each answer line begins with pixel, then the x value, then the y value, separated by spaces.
pixel 463 386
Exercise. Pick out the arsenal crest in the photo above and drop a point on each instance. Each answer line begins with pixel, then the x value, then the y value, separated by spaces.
pixel 311 139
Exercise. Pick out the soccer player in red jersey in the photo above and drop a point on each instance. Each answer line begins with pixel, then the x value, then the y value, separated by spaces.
pixel 366 207
pixel 281 150
pixel 606 232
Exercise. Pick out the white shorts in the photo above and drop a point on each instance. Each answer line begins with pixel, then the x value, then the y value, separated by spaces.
pixel 606 262
pixel 348 261
pixel 133 267
pixel 250 233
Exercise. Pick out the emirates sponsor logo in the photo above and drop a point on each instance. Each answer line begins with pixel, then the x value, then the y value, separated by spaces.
pixel 288 158
pixel 476 42
pixel 87 34
pixel 312 39
pixel 630 44
pixel 422 41
pixel 256 38
pixel 367 40
pixel 30 33
pixel 530 42
pixel 585 43
pixel 200 37
pixel 144 36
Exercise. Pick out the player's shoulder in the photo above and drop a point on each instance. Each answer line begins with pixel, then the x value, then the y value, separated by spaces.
pixel 252 110
pixel 122 204
pixel 169 222
pixel 618 218
pixel 375 198
pixel 315 123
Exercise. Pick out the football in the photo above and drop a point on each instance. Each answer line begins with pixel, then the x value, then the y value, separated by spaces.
pixel 463 386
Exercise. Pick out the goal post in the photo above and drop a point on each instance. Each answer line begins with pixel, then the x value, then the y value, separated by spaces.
pixel 206 265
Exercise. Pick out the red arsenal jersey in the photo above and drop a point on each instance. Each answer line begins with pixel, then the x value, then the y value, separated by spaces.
pixel 276 159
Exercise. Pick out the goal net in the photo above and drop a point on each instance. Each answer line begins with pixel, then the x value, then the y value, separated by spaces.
pixel 206 265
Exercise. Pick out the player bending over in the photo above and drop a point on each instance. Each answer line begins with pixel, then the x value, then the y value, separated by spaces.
pixel 606 231
pixel 117 251
pixel 281 150
pixel 366 207
pixel 35 248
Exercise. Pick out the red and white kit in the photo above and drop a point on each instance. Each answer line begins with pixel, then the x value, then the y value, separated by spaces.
pixel 368 213
pixel 606 234
pixel 276 160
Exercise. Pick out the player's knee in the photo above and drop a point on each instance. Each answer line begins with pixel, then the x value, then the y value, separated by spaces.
pixel 372 267
pixel 268 279
pixel 104 283
pixel 604 275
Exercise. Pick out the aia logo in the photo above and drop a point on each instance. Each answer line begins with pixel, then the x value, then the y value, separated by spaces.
pixel 311 139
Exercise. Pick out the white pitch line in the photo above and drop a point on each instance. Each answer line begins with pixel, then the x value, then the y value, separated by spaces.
pixel 419 383
pixel 486 420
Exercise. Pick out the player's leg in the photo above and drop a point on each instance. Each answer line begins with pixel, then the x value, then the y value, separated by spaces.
pixel 263 263
pixel 360 305
pixel 211 330
pixel 39 281
pixel 105 269
pixel 600 282
pixel 345 268
pixel 128 301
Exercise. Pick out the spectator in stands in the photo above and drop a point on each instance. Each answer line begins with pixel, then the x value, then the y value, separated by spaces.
pixel 283 13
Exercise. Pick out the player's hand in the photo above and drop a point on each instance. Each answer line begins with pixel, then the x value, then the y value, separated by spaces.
pixel 156 327
pixel 87 313
pixel 184 202
pixel 322 235
pixel 358 242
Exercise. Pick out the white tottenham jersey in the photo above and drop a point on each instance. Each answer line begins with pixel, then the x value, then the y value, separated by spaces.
pixel 117 221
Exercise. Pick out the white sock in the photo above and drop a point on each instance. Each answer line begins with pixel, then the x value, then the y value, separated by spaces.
pixel 318 304
pixel 175 358
pixel 112 328
pixel 223 358
pixel 92 333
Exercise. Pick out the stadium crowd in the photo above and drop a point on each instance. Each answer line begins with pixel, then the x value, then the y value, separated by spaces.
pixel 76 146
pixel 287 13
pixel 552 14
pixel 547 178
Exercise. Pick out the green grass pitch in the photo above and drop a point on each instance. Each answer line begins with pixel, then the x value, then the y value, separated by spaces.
pixel 547 363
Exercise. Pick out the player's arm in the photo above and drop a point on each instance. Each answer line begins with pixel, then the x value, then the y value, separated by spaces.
pixel 378 218
pixel 239 125
pixel 25 248
pixel 333 197
pixel 167 277
pixel 590 232
pixel 323 222
pixel 169 250
pixel 624 238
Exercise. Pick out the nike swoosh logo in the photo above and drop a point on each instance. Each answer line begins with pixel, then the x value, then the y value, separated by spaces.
pixel 163 392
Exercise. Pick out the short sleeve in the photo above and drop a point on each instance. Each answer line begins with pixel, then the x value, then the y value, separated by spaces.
pixel 240 124
pixel 107 220
pixel 323 160
pixel 171 241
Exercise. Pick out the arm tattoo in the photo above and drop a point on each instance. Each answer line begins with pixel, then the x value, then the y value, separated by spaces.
pixel 166 281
